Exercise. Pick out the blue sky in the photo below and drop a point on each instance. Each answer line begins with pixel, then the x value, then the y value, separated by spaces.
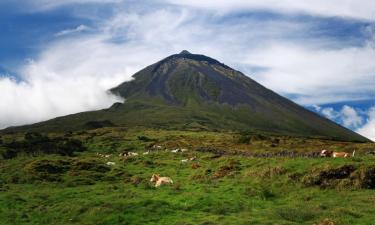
pixel 59 57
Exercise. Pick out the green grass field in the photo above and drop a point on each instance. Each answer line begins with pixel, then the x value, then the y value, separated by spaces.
pixel 219 189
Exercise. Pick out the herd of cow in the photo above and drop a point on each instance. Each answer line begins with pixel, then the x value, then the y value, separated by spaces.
pixel 285 153
pixel 158 180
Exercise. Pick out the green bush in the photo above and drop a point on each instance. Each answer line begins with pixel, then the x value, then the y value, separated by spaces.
pixel 145 138
pixel 46 170
pixel 35 143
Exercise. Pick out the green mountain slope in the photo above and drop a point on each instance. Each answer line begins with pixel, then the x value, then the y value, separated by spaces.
pixel 189 91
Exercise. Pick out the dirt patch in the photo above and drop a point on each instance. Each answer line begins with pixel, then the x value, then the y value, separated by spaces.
pixel 344 177
pixel 364 178
pixel 195 166
pixel 227 170
pixel 326 221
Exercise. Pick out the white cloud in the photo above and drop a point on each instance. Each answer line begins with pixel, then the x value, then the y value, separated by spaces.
pixel 330 113
pixel 69 77
pixel 317 75
pixel 360 9
pixel 78 29
pixel 368 130
pixel 316 108
pixel 350 117
pixel 347 115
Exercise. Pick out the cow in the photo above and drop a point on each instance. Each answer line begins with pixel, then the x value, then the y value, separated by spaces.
pixel 126 154
pixel 326 153
pixel 111 163
pixel 160 180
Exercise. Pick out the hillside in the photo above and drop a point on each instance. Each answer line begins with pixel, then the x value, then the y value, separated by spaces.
pixel 194 92
pixel 234 179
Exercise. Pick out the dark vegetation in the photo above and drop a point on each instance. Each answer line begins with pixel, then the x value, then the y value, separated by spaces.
pixel 36 143
pixel 346 176
pixel 98 124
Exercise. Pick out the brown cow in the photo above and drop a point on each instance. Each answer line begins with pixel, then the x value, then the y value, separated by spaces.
pixel 326 153
pixel 160 180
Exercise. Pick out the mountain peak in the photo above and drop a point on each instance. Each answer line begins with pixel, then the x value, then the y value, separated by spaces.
pixel 185 52
pixel 193 91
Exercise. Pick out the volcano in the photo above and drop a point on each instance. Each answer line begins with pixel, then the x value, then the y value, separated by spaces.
pixel 194 92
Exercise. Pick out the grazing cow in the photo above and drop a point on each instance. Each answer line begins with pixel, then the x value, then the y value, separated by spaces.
pixel 126 154
pixel 176 150
pixel 193 158
pixel 326 153
pixel 111 163
pixel 123 154
pixel 184 160
pixel 103 156
pixel 146 153
pixel 157 147
pixel 160 180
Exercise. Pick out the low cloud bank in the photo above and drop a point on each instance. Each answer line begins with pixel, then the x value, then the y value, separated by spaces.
pixel 368 130
pixel 358 120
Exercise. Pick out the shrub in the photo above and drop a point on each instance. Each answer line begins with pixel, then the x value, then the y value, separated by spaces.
pixel 226 170
pixel 34 143
pixel 98 124
pixel 328 177
pixel 90 165
pixel 244 139
pixel 145 138
pixel 46 170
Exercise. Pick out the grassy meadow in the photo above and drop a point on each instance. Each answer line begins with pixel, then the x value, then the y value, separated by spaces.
pixel 224 185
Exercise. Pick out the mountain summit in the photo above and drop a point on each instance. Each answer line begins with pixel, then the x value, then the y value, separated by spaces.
pixel 192 91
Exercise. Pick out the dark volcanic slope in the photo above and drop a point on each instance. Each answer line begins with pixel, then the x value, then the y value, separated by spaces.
pixel 189 91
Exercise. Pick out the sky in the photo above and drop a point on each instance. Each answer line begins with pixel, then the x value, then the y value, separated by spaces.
pixel 59 57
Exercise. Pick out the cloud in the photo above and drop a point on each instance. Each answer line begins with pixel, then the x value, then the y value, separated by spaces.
pixel 78 29
pixel 358 9
pixel 69 77
pixel 316 75
pixel 350 117
pixel 368 130
pixel 72 75
pixel 330 113
pixel 347 115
